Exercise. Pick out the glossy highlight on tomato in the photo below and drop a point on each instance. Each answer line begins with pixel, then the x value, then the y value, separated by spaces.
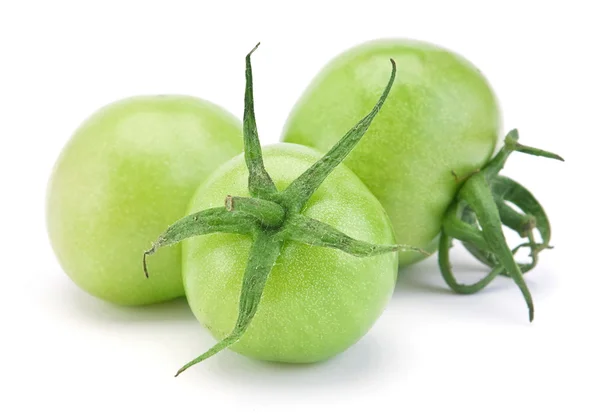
pixel 128 170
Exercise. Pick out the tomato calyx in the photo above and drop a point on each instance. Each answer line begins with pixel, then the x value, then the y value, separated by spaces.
pixel 271 217
pixel 268 213
pixel 478 213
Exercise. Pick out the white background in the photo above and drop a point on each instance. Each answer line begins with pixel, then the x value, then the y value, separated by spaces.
pixel 433 353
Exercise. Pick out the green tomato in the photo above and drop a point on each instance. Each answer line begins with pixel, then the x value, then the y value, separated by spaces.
pixel 317 301
pixel 441 117
pixel 127 171
pixel 299 261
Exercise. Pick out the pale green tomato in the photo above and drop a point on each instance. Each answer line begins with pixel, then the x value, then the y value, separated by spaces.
pixel 128 171
pixel 441 116
pixel 317 301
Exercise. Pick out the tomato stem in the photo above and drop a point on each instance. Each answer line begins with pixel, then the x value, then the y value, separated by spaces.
pixel 268 213
pixel 521 223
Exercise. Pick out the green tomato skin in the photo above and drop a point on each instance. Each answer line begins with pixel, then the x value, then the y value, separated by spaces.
pixel 126 174
pixel 317 301
pixel 440 116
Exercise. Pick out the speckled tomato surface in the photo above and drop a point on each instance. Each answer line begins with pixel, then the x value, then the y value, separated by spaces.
pixel 441 116
pixel 317 301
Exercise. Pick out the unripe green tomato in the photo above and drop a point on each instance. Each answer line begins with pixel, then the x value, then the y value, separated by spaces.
pixel 317 301
pixel 441 116
pixel 129 170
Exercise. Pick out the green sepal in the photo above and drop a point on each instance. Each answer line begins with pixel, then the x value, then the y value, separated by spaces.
pixel 213 220
pixel 300 190
pixel 260 184
pixel 511 143
pixel 454 225
pixel 263 256
pixel 478 195
pixel 303 229
pixel 445 244
pixel 508 190
pixel 533 217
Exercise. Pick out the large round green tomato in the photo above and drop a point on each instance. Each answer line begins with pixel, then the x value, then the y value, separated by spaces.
pixel 441 116
pixel 317 301
pixel 128 171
